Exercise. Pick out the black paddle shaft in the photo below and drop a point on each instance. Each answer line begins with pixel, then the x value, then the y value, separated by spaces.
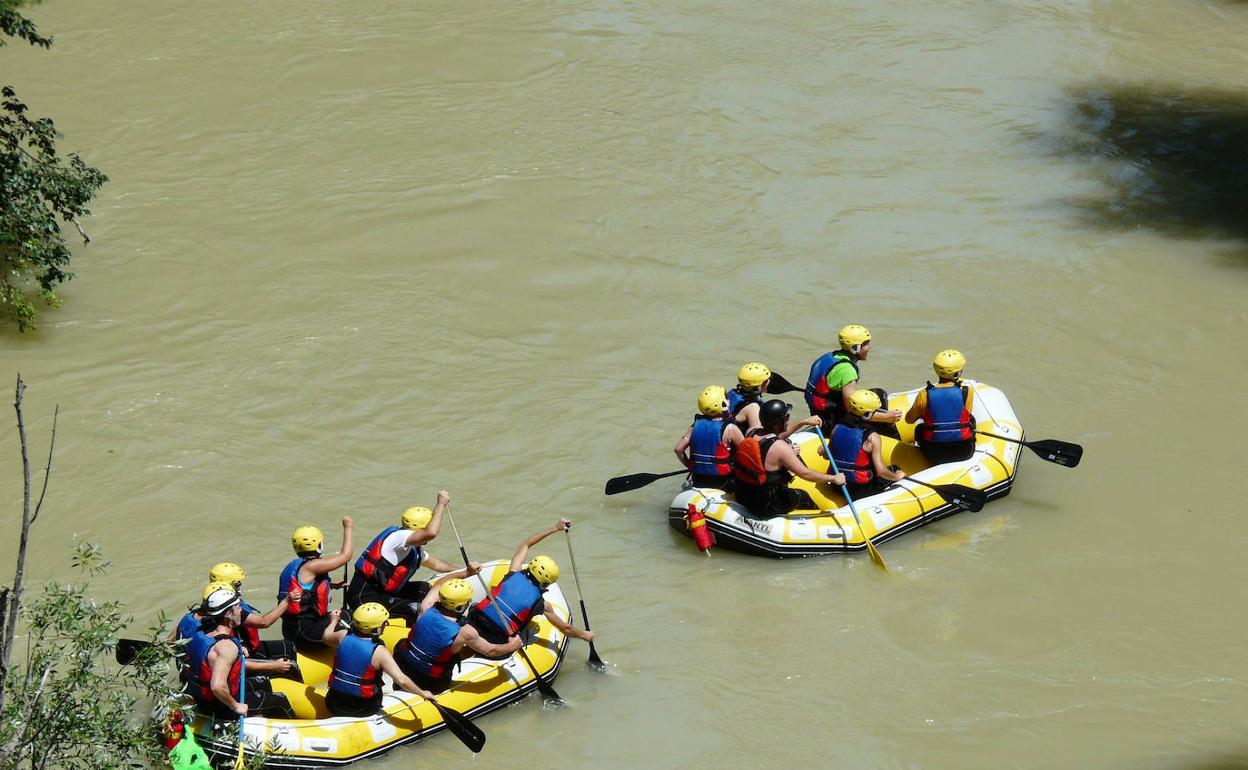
pixel 964 497
pixel 636 481
pixel 1063 453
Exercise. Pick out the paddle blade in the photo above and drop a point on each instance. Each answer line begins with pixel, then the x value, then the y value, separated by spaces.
pixel 594 661
pixel 462 728
pixel 779 385
pixel 876 558
pixel 129 649
pixel 1062 453
pixel 966 498
pixel 636 481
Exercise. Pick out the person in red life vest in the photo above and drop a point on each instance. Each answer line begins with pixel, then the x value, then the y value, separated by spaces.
pixel 706 447
pixel 355 684
pixel 253 621
pixel 834 377
pixel 308 619
pixel 216 657
pixel 518 597
pixel 384 572
pixel 745 399
pixel 856 447
pixel 766 462
pixel 947 431
pixel 432 648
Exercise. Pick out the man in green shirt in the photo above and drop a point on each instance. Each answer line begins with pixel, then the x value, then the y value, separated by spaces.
pixel 834 376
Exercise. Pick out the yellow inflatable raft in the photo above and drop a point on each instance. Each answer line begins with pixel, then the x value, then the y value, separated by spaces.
pixel 318 739
pixel 901 508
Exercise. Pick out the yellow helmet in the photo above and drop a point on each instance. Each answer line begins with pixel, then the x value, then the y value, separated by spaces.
pixel 852 336
pixel 863 402
pixel 368 618
pixel 949 363
pixel 227 572
pixel 713 401
pixel 455 594
pixel 544 569
pixel 216 585
pixel 753 375
pixel 306 539
pixel 416 517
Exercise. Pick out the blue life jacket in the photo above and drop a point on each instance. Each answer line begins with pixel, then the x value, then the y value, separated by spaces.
pixel 851 458
pixel 738 400
pixel 315 600
pixel 200 673
pixel 706 447
pixel 945 419
pixel 353 672
pixel 819 397
pixel 188 626
pixel 389 577
pixel 429 647
pixel 515 600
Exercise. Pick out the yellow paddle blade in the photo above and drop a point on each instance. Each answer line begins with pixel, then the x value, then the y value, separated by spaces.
pixel 875 556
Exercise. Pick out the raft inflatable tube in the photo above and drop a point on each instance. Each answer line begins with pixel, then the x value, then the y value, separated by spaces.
pixel 316 738
pixel 898 509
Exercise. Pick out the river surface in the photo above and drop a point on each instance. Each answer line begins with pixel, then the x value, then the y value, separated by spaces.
pixel 355 252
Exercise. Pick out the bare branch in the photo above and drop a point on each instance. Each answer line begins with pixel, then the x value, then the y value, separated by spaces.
pixel 85 238
pixel 15 597
pixel 47 469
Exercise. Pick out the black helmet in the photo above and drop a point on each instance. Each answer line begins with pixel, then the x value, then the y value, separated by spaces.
pixel 773 413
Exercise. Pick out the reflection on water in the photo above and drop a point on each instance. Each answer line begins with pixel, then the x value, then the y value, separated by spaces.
pixel 1178 158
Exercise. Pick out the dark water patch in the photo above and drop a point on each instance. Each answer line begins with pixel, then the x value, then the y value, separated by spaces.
pixel 1175 159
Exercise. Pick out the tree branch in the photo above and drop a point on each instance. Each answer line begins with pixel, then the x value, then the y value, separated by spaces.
pixel 47 469
pixel 15 598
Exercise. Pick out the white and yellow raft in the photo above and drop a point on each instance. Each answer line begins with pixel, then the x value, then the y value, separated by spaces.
pixel 900 508
pixel 318 739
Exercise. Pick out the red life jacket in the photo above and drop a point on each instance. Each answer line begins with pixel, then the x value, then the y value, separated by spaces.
pixel 248 635
pixel 945 418
pixel 315 599
pixel 205 671
pixel 749 466
pixel 851 458
pixel 389 577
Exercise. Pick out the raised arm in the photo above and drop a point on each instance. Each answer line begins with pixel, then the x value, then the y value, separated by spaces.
pixel 522 551
pixel 421 536
pixel 327 564
pixel 796 426
pixel 442 565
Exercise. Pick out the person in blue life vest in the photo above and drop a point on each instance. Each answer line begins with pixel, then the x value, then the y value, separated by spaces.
pixel 706 447
pixel 355 684
pixel 432 648
pixel 834 377
pixel 745 399
pixel 386 566
pixel 188 626
pixel 946 430
pixel 308 619
pixel 253 620
pixel 215 656
pixel 856 446
pixel 518 597
pixel 766 462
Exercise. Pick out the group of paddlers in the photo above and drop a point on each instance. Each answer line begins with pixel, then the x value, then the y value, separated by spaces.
pixel 738 442
pixel 226 666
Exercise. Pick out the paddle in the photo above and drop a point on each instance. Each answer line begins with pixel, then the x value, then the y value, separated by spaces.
pixel 964 497
pixel 1062 453
pixel 875 555
pixel 637 481
pixel 780 385
pixel 242 698
pixel 594 661
pixel 548 692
